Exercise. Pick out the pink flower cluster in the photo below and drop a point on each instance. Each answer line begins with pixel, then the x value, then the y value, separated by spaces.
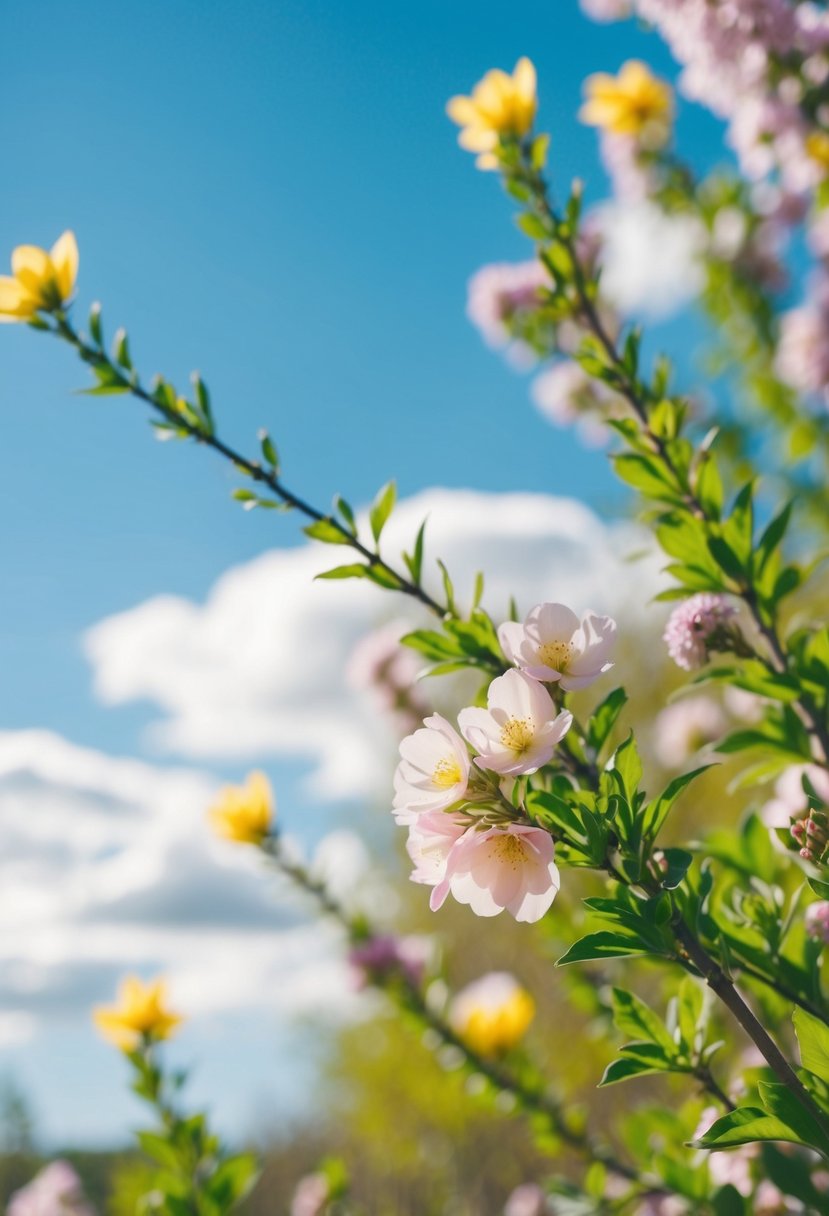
pixel 311 1196
pixel 497 293
pixel 55 1191
pixel 696 627
pixel 387 671
pixel 732 52
pixel 442 796
pixel 566 394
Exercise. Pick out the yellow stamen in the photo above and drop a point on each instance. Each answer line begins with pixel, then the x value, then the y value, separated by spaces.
pixel 447 773
pixel 555 654
pixel 517 734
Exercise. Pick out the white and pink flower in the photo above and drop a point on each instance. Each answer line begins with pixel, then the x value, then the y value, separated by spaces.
pixel 433 772
pixel 554 645
pixel 510 868
pixel 519 729
pixel 432 836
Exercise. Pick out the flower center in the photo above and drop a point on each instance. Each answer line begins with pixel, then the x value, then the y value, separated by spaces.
pixel 555 654
pixel 517 734
pixel 447 773
pixel 510 850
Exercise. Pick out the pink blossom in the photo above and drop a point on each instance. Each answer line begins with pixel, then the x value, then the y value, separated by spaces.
pixel 500 868
pixel 554 645
pixel 816 921
pixel 311 1196
pixel 565 394
pixel 695 626
pixel 526 1200
pixel 386 955
pixel 388 671
pixel 55 1191
pixel 681 729
pixel 498 292
pixel 518 731
pixel 432 836
pixel 433 772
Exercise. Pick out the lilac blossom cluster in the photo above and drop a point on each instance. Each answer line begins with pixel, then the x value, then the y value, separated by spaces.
pixel 698 626
pixel 454 790
pixel 754 63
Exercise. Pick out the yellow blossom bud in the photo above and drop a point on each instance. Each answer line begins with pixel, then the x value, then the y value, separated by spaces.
pixel 244 813
pixel 500 105
pixel 40 281
pixel 140 1014
pixel 492 1014
pixel 633 103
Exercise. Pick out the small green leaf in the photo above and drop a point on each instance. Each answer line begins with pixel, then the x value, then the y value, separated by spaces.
pixel 328 532
pixel 352 571
pixel 382 508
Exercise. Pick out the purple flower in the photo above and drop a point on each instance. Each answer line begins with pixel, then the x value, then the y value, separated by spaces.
pixel 698 626
pixel 385 955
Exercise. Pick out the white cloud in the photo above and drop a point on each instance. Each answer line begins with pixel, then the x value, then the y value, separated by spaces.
pixel 258 668
pixel 650 261
pixel 108 866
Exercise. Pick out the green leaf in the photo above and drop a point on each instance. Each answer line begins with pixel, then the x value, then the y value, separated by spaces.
pixel 604 718
pixel 328 532
pixel 158 1148
pixel 534 226
pixel 233 1179
pixel 269 451
pixel 352 571
pixel 633 1017
pixel 678 862
pixel 604 945
pixel 657 811
pixel 745 1125
pixel 414 562
pixel 625 1068
pixel 121 350
pixel 628 766
pixel 813 1040
pixel 382 508
pixel 646 474
pixel 781 1103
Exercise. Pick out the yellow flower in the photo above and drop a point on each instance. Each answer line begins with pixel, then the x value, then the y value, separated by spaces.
pixel 139 1014
pixel 633 103
pixel 244 813
pixel 500 105
pixel 493 1014
pixel 817 145
pixel 39 280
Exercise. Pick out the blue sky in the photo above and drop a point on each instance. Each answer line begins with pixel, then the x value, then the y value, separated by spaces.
pixel 270 193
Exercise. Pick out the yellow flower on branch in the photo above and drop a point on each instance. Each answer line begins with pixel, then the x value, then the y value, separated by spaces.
pixel 140 1015
pixel 633 103
pixel 500 105
pixel 244 813
pixel 39 281
pixel 492 1014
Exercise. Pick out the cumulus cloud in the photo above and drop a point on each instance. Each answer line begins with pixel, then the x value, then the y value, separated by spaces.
pixel 650 261
pixel 258 669
pixel 107 866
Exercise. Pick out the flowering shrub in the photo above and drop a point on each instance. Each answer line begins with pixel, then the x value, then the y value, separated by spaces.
pixel 539 787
